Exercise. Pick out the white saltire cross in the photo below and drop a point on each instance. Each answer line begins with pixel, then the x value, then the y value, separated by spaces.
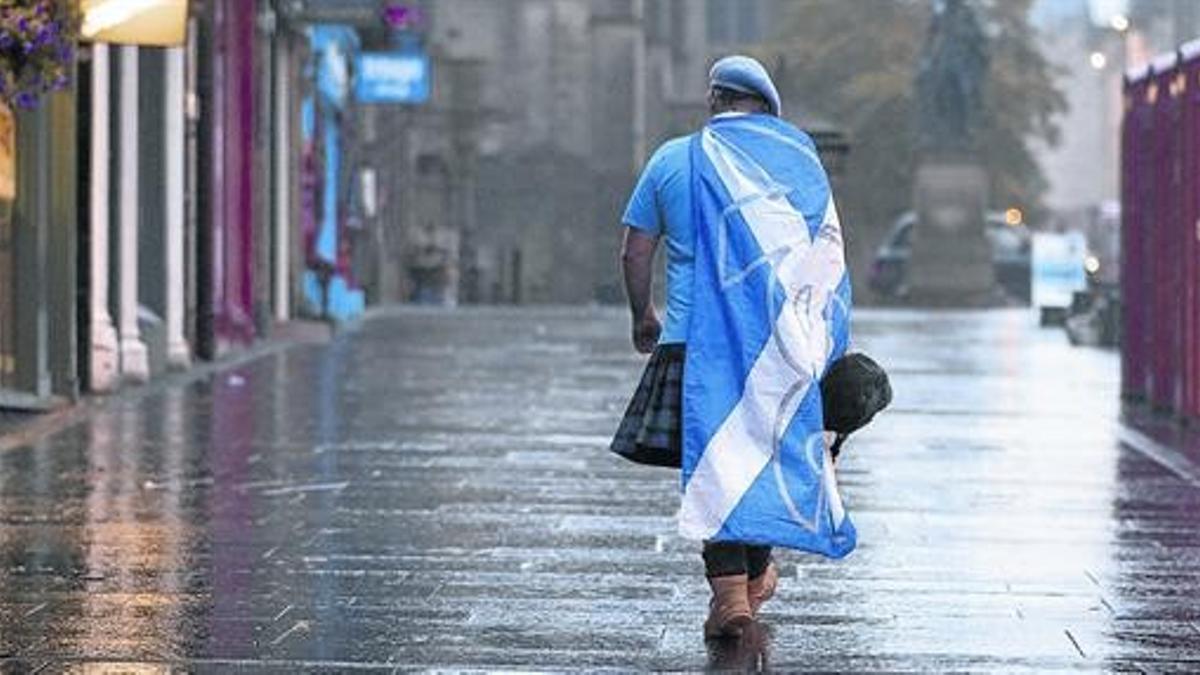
pixel 809 269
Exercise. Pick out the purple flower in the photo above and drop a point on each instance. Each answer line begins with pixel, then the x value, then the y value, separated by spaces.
pixel 36 50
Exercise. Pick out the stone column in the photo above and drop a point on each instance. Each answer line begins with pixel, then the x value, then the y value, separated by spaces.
pixel 283 196
pixel 134 362
pixel 103 335
pixel 30 257
pixel 178 353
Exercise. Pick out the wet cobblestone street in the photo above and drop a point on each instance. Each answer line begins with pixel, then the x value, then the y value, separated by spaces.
pixel 433 490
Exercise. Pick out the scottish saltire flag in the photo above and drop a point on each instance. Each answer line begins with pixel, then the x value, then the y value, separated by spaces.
pixel 771 311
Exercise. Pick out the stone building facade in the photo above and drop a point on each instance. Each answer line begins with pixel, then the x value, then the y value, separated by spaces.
pixel 508 185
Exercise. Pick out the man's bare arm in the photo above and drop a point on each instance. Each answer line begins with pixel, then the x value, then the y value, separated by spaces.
pixel 637 263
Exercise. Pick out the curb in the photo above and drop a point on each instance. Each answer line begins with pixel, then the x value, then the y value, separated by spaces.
pixel 1165 456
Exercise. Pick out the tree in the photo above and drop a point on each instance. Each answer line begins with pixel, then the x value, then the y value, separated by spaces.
pixel 854 62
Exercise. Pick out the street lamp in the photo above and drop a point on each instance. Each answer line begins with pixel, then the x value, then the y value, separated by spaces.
pixel 1098 60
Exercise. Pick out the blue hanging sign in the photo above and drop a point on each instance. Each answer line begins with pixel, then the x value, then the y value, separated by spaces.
pixel 392 77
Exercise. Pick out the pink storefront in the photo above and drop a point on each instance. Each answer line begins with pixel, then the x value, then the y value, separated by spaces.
pixel 226 241
pixel 1160 185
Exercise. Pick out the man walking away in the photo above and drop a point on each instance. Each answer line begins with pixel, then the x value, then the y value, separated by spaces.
pixel 757 307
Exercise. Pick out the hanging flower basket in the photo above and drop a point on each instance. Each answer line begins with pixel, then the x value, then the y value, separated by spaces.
pixel 37 49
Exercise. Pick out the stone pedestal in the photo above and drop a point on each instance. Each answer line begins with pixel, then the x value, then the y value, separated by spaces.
pixel 951 260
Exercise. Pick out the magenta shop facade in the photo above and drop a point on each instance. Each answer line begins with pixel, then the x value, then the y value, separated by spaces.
pixel 227 183
pixel 1160 271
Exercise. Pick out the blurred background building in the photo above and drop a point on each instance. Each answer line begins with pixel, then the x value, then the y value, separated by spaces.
pixel 1096 44
pixel 545 111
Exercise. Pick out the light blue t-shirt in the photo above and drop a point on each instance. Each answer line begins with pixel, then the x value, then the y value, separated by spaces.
pixel 662 204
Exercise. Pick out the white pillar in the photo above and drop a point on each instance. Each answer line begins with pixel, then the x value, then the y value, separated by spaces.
pixel 134 362
pixel 178 353
pixel 283 203
pixel 103 335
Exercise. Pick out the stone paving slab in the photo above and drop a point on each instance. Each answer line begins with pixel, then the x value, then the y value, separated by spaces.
pixel 433 491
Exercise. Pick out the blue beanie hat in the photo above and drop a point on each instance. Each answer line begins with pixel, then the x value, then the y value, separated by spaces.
pixel 744 74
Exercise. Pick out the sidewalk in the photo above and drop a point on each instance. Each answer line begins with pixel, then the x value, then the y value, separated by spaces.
pixel 19 427
pixel 433 490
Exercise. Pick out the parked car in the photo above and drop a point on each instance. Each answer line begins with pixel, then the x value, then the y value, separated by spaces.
pixel 1010 255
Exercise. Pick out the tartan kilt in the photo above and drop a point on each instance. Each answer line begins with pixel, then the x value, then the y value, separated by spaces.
pixel 651 431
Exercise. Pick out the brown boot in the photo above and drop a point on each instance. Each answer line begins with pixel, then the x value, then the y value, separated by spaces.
pixel 761 588
pixel 729 609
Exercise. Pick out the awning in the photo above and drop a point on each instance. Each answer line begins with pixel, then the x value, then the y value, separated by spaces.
pixel 135 22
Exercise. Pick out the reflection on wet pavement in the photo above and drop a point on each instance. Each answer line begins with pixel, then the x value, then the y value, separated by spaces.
pixel 434 490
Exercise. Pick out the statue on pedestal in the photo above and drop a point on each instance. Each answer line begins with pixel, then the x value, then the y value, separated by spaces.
pixel 950 79
pixel 951 260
